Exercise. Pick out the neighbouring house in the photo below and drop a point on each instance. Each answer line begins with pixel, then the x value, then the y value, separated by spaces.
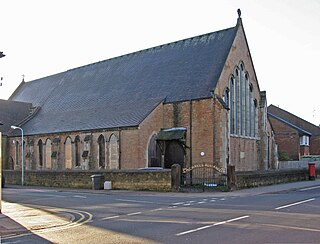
pixel 192 101
pixel 294 136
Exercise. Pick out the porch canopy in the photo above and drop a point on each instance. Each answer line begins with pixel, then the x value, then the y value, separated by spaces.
pixel 177 133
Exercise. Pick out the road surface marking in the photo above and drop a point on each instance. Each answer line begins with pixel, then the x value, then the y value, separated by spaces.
pixel 208 226
pixel 130 214
pixel 213 200
pixel 310 188
pixel 79 196
pixel 296 203
pixel 158 209
pixel 127 200
pixel 201 202
pixel 111 217
pixel 178 203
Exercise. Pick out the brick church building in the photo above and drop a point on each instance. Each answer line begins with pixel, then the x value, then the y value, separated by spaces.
pixel 191 101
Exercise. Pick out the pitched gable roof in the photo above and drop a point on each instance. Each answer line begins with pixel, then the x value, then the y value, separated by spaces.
pixel 122 91
pixel 12 113
pixel 300 130
pixel 295 120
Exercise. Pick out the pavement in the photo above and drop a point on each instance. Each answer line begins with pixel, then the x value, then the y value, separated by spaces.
pixel 9 226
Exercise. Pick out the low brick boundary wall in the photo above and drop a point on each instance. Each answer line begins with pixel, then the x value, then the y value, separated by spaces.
pixel 144 180
pixel 263 178
pixel 121 179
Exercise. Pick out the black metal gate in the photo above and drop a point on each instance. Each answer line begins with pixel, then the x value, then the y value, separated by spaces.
pixel 203 176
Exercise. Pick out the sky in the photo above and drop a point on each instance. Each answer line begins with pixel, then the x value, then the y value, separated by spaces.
pixel 42 38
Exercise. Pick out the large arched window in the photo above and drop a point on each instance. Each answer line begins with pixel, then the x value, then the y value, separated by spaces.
pixel 77 150
pixel 40 148
pixel 68 153
pixel 232 105
pixel 114 152
pixel 242 106
pixel 102 151
pixel 48 154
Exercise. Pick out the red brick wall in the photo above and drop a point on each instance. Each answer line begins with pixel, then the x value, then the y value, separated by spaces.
pixel 313 129
pixel 287 138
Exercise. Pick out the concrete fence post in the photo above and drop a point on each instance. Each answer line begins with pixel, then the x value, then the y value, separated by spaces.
pixel 175 177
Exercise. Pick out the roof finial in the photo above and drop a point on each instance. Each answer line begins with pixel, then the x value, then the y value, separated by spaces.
pixel 23 78
pixel 239 13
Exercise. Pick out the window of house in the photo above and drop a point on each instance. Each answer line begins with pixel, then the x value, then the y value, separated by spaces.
pixel 304 140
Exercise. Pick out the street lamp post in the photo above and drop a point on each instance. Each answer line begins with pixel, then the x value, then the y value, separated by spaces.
pixel 22 154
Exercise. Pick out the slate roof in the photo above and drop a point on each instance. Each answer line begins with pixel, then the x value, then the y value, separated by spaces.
pixel 7 118
pixel 122 91
pixel 293 119
pixel 300 130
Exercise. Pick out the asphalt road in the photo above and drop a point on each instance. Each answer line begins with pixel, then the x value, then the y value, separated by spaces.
pixel 53 216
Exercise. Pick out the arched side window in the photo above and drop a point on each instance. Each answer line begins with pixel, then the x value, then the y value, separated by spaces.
pixel 40 148
pixel 17 153
pixel 154 153
pixel 114 152
pixel 226 96
pixel 102 151
pixel 251 106
pixel 77 151
pixel 255 119
pixel 48 154
pixel 68 153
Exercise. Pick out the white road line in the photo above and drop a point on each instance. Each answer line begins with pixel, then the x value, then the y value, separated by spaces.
pixel 208 226
pixel 172 206
pixel 111 217
pixel 130 214
pixel 154 210
pixel 178 203
pixel 127 200
pixel 201 202
pixel 296 203
pixel 78 196
pixel 310 188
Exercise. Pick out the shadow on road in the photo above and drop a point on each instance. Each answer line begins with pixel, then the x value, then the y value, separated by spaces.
pixel 12 231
